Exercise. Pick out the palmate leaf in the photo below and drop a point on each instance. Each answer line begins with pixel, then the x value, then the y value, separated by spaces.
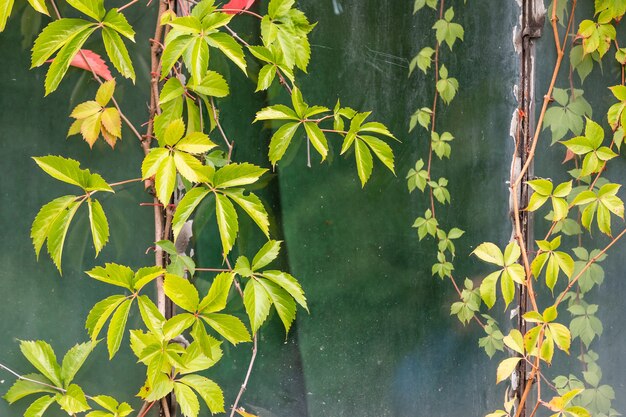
pixel 69 171
pixel 282 301
pixel 186 207
pixel 364 161
pixel 58 232
pixel 92 8
pixel 187 400
pixel 73 401
pixel 46 217
pixel 181 292
pixel 99 225
pixel 217 296
pixel 100 313
pixel 266 254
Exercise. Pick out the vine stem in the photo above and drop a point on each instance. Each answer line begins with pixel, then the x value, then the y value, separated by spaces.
pixel 247 378
pixel 213 270
pixel 433 117
pixel 23 378
pixel 116 184
pixel 229 144
pixel 587 266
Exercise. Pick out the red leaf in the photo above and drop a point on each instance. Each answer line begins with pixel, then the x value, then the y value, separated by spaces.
pixel 569 155
pixel 236 6
pixel 91 60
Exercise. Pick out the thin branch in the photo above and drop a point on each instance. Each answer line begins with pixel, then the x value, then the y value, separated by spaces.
pixel 23 378
pixel 247 378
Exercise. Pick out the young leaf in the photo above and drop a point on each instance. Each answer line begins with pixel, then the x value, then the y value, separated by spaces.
pixel 74 400
pixel 280 141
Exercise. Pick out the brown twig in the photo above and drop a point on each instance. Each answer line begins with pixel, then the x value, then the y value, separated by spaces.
pixel 247 378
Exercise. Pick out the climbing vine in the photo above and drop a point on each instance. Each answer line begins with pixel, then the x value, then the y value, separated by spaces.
pixel 188 160
pixel 552 277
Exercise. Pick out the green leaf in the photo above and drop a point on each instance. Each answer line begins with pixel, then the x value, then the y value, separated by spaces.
pixel 42 357
pixel 181 292
pixel 506 368
pixel 23 388
pixel 117 53
pixel 58 232
pixel 199 62
pixel 61 62
pixel 38 5
pixel 257 303
pixel 46 217
pixel 68 170
pixel 488 288
pixel 176 325
pixel 277 112
pixel 99 225
pixel 227 222
pixel 381 149
pixel 230 327
pixel 117 21
pixel 289 284
pixel 174 48
pixel 364 161
pixel 165 180
pixel 145 275
pixel 53 37
pixel 114 274
pixel 208 390
pixel 100 313
pixel 217 297
pixel 284 304
pixel 186 207
pixel 253 206
pixel 150 314
pixel 92 8
pixel 266 254
pixel 236 175
pixel 195 143
pixel 153 161
pixel 229 46
pixel 6 6
pixel 190 167
pixel 490 253
pixel 74 359
pixel 39 406
pixel 211 84
pixel 187 400
pixel 74 400
pixel 117 326
pixel 280 141
pixel 266 77
pixel 317 138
